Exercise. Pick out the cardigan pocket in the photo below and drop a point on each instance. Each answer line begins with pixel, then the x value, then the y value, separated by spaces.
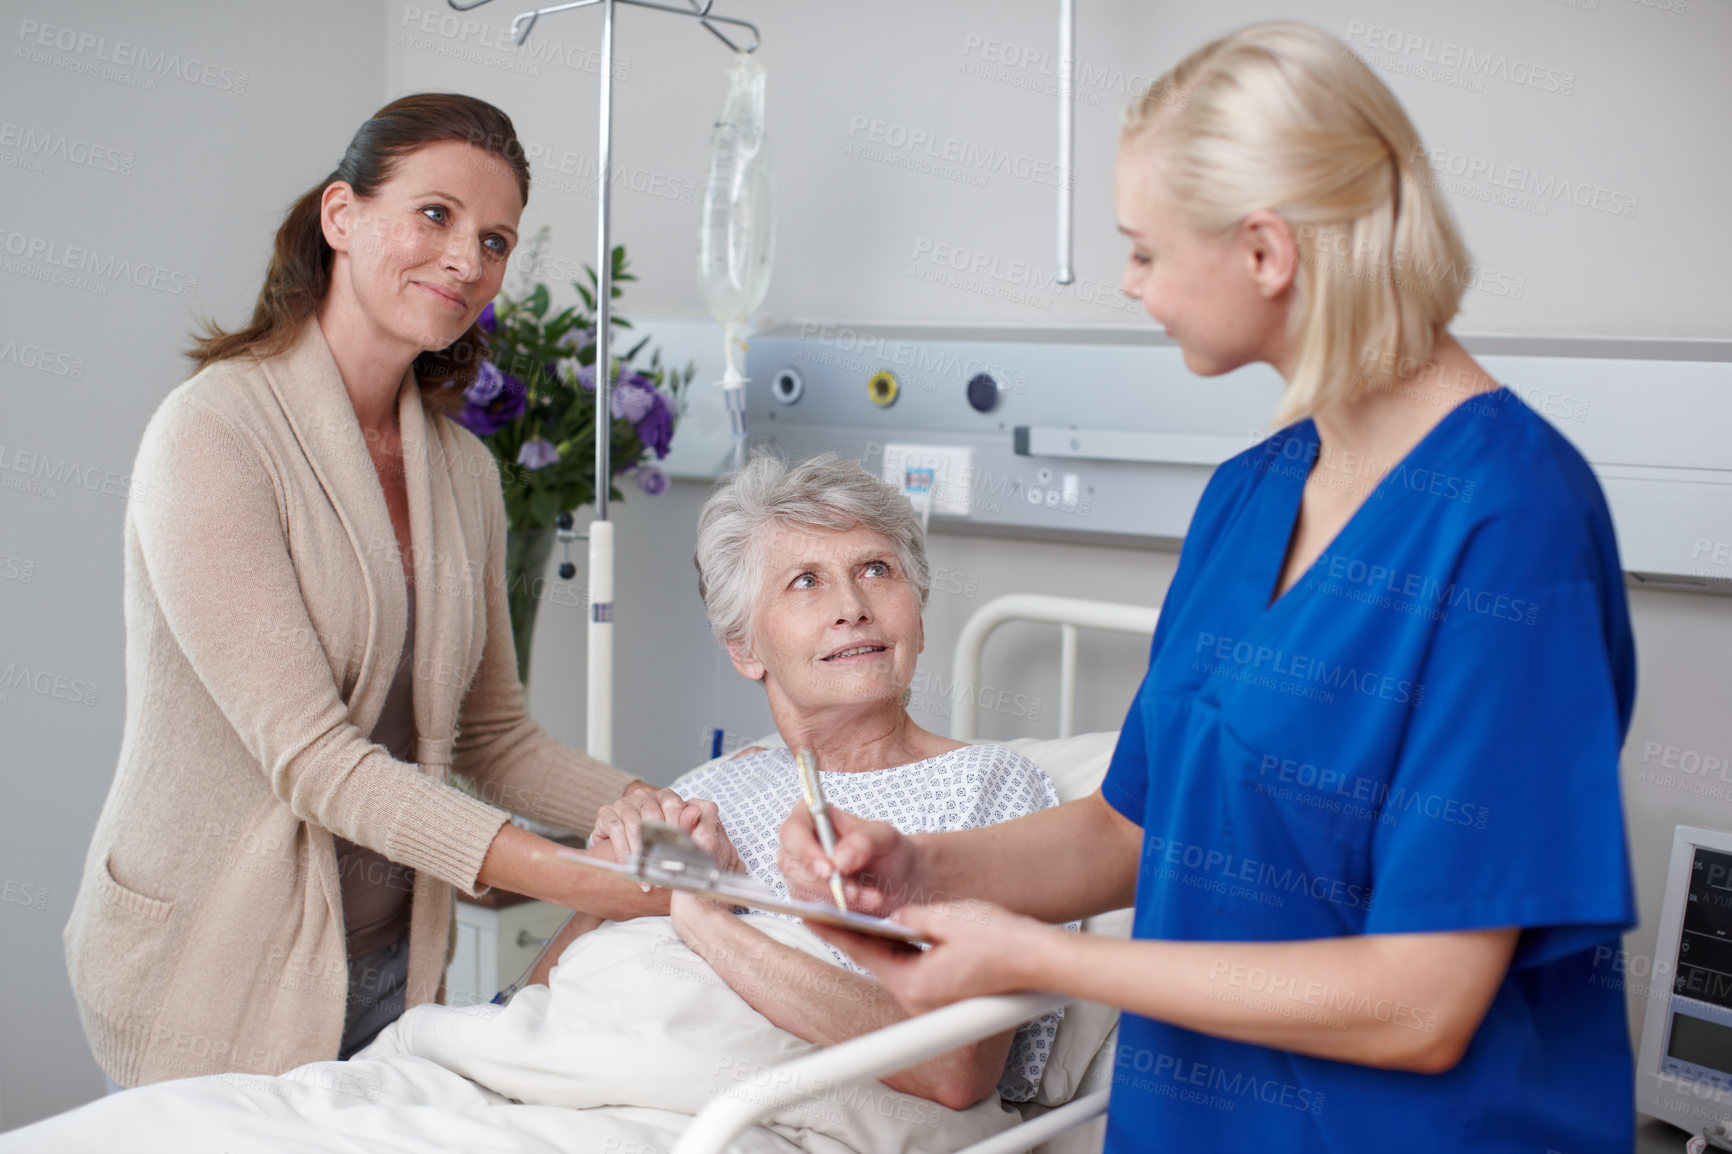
pixel 117 946
pixel 126 898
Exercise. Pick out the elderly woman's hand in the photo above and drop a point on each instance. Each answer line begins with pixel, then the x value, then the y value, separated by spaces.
pixel 702 822
pixel 619 825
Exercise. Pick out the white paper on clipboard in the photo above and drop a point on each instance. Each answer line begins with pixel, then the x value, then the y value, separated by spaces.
pixel 671 860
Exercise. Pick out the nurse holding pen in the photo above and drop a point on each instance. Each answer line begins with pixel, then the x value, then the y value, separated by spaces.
pixel 1366 800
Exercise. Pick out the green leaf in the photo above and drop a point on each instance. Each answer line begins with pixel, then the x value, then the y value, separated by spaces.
pixel 544 507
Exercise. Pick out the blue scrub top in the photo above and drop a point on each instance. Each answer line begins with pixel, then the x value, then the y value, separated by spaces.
pixel 1422 734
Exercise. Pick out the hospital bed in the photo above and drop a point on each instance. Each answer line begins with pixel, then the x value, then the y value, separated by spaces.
pixel 1066 1115
pixel 520 1079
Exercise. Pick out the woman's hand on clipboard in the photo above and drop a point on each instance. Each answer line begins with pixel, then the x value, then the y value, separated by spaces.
pixel 977 949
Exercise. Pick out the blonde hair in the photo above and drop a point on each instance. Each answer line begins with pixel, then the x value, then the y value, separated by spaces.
pixel 1282 116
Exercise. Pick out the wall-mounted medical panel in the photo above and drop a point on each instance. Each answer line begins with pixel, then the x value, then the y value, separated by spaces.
pixel 1107 436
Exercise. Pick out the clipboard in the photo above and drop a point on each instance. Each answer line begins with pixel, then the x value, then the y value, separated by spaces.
pixel 671 860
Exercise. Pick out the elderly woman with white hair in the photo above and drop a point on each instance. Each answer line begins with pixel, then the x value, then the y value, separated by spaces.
pixel 814 578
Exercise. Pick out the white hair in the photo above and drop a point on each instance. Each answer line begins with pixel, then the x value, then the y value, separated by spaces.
pixel 825 493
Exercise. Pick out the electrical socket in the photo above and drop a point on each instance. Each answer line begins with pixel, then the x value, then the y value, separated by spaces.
pixel 951 470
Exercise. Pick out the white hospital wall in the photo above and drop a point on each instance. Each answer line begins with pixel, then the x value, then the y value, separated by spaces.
pixel 212 170
pixel 201 175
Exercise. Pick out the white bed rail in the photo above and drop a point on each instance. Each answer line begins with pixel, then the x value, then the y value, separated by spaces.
pixel 873 1055
pixel 1069 614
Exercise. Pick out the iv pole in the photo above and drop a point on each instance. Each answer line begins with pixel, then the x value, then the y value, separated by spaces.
pixel 599 722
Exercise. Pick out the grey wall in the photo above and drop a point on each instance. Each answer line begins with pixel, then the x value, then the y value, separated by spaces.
pixel 208 170
pixel 180 179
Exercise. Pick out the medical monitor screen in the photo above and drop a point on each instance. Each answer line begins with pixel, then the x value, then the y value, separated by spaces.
pixel 1705 945
pixel 1700 1043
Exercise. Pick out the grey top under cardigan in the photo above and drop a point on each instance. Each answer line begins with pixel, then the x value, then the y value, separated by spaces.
pixel 265 613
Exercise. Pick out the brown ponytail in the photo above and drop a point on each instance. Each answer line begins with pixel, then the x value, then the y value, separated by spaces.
pixel 299 274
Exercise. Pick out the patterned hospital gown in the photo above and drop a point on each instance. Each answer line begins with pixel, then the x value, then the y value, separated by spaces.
pixel 972 786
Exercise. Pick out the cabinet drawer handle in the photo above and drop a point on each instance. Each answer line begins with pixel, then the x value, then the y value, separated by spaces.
pixel 525 939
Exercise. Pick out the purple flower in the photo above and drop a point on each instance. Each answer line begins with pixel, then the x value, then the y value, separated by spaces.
pixel 633 398
pixel 493 401
pixel 652 480
pixel 656 429
pixel 537 454
pixel 586 378
pixel 489 382
pixel 575 338
pixel 486 320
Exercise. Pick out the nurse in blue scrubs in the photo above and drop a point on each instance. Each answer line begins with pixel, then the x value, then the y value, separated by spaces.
pixel 1366 800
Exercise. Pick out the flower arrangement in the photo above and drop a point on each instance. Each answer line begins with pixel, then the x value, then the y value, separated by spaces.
pixel 533 401
pixel 533 404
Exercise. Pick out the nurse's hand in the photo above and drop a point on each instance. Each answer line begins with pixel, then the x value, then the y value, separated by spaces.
pixel 978 949
pixel 880 866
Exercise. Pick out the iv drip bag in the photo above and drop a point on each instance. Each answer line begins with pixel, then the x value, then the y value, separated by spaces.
pixel 736 231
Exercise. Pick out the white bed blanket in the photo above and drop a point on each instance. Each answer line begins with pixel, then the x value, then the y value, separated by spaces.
pixel 634 1034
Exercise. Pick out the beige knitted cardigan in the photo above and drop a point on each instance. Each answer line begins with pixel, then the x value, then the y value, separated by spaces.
pixel 265 615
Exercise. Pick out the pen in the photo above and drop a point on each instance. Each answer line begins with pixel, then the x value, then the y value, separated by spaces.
pixel 808 766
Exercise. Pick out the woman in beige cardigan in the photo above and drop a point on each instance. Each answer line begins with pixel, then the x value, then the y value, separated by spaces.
pixel 270 880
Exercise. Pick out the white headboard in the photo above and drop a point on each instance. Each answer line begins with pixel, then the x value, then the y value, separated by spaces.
pixel 1069 614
